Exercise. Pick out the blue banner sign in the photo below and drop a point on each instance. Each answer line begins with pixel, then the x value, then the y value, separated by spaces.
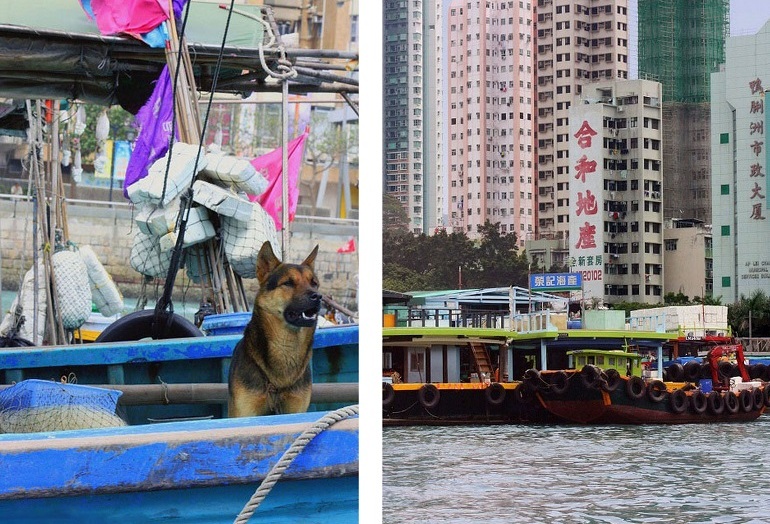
pixel 555 282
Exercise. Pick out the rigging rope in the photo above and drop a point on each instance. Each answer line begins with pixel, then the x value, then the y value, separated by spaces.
pixel 289 455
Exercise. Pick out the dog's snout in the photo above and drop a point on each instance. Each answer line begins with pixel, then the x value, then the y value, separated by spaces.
pixel 315 296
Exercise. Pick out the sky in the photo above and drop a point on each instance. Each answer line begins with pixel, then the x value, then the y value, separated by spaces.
pixel 748 16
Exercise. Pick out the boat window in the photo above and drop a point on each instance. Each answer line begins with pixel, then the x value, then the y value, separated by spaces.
pixel 612 361
pixel 600 360
pixel 581 361
pixel 417 362
pixel 387 360
pixel 592 359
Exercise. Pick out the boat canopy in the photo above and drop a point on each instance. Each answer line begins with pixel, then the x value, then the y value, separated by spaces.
pixel 50 49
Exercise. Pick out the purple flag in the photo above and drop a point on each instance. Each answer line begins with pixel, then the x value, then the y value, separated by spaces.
pixel 154 121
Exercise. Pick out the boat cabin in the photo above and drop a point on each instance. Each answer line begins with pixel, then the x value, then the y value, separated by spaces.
pixel 627 364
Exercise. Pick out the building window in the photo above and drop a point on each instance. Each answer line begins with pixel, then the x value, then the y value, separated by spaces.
pixel 725 231
pixel 725 189
pixel 671 245
pixel 724 138
pixel 725 281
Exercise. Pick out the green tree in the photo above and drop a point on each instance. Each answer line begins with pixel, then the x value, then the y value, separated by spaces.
pixel 394 215
pixel 756 307
pixel 676 299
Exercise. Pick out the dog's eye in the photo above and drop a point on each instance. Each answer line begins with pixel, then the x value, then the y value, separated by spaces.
pixel 314 283
pixel 288 283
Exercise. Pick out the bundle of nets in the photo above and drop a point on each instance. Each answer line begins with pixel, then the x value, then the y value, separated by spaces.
pixel 40 405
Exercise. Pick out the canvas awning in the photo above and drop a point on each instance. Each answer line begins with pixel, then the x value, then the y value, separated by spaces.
pixel 50 49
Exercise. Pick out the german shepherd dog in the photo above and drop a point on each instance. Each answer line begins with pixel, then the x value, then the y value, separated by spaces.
pixel 270 368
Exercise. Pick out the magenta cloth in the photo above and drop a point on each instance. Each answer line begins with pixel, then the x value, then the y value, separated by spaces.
pixel 154 120
pixel 133 17
pixel 271 167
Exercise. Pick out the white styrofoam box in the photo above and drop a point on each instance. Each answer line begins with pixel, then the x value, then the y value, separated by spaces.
pixel 199 229
pixel 235 172
pixel 158 221
pixel 147 257
pixel 243 240
pixel 222 201
pixel 181 170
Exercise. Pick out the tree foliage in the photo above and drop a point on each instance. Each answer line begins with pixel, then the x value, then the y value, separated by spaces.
pixel 757 308
pixel 451 260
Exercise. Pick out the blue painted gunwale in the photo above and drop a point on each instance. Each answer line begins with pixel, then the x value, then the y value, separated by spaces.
pixel 151 350
pixel 172 455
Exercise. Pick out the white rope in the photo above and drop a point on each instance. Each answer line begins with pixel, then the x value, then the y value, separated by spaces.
pixel 289 455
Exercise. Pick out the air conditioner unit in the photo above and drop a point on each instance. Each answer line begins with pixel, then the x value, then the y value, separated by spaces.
pixel 620 109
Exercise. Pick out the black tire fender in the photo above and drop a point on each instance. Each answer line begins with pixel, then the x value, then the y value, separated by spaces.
pixel 692 371
pixel 656 390
pixel 635 387
pixel 716 402
pixel 698 401
pixel 429 396
pixel 677 401
pixel 612 380
pixel 388 395
pixel 758 397
pixel 675 372
pixel 495 394
pixel 766 393
pixel 559 382
pixel 590 376
pixel 731 402
pixel 746 400
pixel 138 325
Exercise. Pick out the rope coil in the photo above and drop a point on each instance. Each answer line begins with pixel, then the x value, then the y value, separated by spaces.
pixel 289 455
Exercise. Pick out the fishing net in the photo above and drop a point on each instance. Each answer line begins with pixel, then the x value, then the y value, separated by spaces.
pixel 39 405
pixel 243 240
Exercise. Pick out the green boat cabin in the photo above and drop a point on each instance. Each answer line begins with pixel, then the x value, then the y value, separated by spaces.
pixel 624 362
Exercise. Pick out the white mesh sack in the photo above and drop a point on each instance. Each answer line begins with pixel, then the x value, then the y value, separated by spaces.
pixel 147 257
pixel 199 229
pixel 154 220
pixel 222 201
pixel 195 263
pixel 243 240
pixel 104 292
pixel 235 172
pixel 73 292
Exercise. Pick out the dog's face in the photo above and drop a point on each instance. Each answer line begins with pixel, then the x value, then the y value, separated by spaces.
pixel 290 290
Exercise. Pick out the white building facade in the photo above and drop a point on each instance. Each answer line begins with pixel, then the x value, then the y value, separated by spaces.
pixel 739 161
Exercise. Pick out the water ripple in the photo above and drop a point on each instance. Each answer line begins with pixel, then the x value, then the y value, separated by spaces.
pixel 577 474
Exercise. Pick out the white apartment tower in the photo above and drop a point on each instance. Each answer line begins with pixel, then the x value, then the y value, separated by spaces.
pixel 402 110
pixel 578 42
pixel 490 117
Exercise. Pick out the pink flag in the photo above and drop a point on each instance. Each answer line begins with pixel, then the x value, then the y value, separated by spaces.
pixel 349 247
pixel 270 165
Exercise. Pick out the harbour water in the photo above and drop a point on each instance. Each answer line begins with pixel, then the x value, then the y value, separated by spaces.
pixel 697 473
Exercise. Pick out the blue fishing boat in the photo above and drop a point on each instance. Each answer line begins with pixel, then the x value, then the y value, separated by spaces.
pixel 174 454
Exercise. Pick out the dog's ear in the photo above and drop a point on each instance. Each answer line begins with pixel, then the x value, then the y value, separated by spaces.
pixel 311 258
pixel 266 262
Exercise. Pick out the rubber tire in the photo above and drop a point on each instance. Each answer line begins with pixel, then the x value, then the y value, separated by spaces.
pixel 757 371
pixel 766 392
pixel 495 394
pixel 675 372
pixel 758 397
pixel 724 370
pixel 388 395
pixel 635 388
pixel 429 396
pixel 559 382
pixel 731 403
pixel 656 391
pixel 698 402
pixel 138 326
pixel 677 401
pixel 524 394
pixel 531 379
pixel 613 380
pixel 590 376
pixel 746 401
pixel 716 402
pixel 15 342
pixel 692 371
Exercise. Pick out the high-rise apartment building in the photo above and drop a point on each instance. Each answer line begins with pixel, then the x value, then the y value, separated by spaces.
pixel 490 135
pixel 616 217
pixel 402 109
pixel 681 42
pixel 578 43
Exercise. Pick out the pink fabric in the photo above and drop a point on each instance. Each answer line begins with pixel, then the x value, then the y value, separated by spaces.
pixel 349 247
pixel 270 165
pixel 134 17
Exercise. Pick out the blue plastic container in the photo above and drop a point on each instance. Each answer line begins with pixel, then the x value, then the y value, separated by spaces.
pixel 225 323
pixel 706 385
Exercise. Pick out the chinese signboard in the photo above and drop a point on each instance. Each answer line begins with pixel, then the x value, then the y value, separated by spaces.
pixel 586 222
pixel 549 282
